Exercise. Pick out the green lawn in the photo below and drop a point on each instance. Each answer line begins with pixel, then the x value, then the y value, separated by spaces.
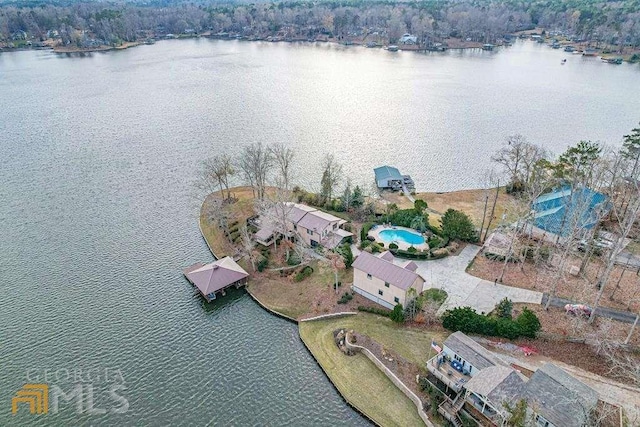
pixel 357 378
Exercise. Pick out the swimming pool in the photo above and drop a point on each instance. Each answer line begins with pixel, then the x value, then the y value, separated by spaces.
pixel 390 236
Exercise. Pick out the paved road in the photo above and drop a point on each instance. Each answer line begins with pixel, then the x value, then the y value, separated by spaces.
pixel 619 315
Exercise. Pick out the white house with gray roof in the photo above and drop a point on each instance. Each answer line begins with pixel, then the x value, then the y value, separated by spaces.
pixel 380 280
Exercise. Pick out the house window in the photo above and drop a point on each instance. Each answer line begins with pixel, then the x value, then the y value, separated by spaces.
pixel 335 226
pixel 380 292
pixel 396 300
pixel 310 232
pixel 295 226
pixel 541 422
pixel 369 276
pixel 386 284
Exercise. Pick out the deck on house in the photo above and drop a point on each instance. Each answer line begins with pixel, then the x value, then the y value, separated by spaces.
pixel 444 372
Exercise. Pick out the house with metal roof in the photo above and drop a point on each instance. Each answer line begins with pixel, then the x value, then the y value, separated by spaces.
pixel 215 277
pixel 388 177
pixel 484 383
pixel 379 279
pixel 564 209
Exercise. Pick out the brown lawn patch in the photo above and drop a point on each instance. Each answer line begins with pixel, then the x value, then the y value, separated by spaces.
pixel 622 292
pixel 470 202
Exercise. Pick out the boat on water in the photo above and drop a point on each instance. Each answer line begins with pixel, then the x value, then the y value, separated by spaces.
pixel 564 61
pixel 569 49
pixel 589 52
pixel 392 48
pixel 487 46
pixel 616 61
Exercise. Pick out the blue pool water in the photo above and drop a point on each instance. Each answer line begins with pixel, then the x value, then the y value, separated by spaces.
pixel 389 236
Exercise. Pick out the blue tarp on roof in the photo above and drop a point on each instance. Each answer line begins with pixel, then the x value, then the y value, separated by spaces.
pixel 386 172
pixel 557 212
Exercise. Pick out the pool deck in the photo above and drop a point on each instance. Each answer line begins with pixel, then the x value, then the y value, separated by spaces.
pixel 375 233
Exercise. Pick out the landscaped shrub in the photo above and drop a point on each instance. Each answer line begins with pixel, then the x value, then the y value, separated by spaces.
pixel 437 295
pixel 412 249
pixel 376 248
pixel 529 252
pixel 347 254
pixel 303 274
pixel 365 230
pixel 436 242
pixel 346 297
pixel 528 322
pixel 407 217
pixel 466 319
pixel 371 238
pixel 439 253
pixel 397 315
pixel 457 225
pixel 293 259
pixel 409 255
pixel 393 246
pixel 504 308
pixel 262 264
pixel 374 310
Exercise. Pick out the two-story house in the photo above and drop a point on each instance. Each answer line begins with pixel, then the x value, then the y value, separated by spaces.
pixel 314 227
pixel 380 280
pixel 484 384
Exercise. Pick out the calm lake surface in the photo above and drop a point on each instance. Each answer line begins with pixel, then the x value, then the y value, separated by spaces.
pixel 97 215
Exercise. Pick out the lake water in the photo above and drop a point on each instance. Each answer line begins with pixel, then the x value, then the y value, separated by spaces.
pixel 98 215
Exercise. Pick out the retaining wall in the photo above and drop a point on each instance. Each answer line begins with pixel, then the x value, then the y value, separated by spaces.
pixel 394 379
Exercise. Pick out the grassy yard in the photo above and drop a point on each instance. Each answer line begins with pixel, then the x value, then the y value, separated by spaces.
pixel 312 296
pixel 470 202
pixel 357 378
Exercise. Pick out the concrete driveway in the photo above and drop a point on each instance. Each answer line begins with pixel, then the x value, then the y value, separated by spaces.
pixel 465 290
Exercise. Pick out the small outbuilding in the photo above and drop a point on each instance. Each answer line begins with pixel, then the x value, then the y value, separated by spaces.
pixel 216 277
pixel 388 177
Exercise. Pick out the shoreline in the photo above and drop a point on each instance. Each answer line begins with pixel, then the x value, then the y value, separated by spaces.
pixel 344 396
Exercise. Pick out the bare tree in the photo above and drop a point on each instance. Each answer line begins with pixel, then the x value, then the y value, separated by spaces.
pixel 518 159
pixel 255 162
pixel 331 175
pixel 283 157
pixel 247 246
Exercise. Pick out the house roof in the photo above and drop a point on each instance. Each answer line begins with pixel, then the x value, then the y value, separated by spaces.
pixel 560 210
pixel 385 270
pixel 559 397
pixel 217 275
pixel 297 211
pixel 311 221
pixel 387 172
pixel 498 383
pixel 386 255
pixel 410 265
pixel 472 352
